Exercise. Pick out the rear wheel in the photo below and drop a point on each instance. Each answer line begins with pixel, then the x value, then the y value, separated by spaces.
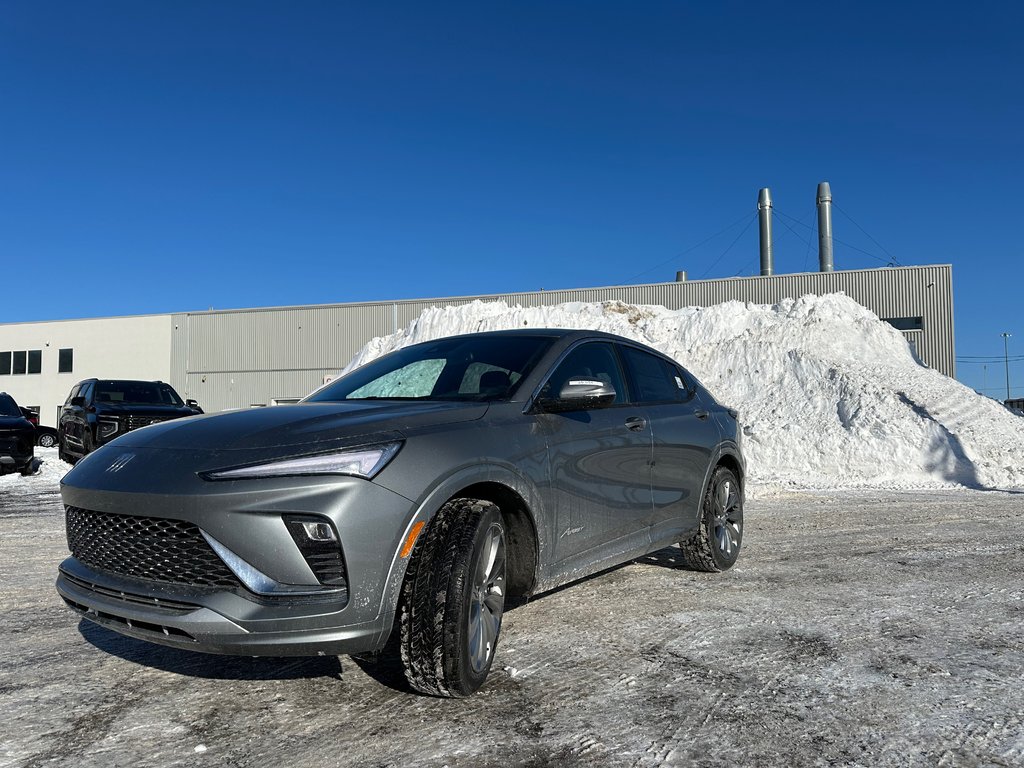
pixel 453 599
pixel 716 545
pixel 46 440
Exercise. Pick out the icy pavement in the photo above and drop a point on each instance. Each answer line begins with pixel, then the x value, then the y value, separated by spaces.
pixel 831 396
pixel 858 628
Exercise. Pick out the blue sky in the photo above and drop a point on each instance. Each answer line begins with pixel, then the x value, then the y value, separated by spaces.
pixel 167 156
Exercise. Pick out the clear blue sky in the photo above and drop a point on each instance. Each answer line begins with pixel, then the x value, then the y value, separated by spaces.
pixel 163 156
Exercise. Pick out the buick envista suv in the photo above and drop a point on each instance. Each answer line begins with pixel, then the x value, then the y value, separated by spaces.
pixel 414 495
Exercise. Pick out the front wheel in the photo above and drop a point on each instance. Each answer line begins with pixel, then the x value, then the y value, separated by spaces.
pixel 453 599
pixel 62 453
pixel 46 440
pixel 716 545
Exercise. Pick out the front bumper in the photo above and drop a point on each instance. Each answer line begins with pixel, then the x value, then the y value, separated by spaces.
pixel 16 450
pixel 214 623
pixel 307 618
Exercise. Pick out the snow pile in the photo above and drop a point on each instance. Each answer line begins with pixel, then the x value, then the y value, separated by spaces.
pixel 830 396
pixel 48 472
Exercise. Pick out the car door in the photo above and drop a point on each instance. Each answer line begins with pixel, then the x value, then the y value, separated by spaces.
pixel 684 438
pixel 598 461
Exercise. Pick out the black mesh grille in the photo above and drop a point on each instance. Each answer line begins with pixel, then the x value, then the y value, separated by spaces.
pixel 145 548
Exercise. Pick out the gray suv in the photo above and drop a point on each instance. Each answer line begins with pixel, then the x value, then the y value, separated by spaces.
pixel 415 495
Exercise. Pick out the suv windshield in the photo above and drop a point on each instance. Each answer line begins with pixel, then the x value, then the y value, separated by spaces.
pixel 8 407
pixel 461 368
pixel 136 392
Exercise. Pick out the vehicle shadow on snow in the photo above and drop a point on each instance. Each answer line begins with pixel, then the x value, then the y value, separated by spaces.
pixel 206 665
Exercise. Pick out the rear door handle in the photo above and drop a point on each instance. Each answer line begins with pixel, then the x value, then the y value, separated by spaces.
pixel 702 415
pixel 636 423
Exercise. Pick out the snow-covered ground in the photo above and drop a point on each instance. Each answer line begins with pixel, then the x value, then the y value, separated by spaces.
pixel 831 396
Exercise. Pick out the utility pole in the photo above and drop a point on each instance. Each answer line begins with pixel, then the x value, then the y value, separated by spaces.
pixel 1006 361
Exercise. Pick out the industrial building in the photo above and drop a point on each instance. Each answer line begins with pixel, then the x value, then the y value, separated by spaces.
pixel 269 356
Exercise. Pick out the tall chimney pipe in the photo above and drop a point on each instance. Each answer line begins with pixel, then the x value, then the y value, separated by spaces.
pixel 764 216
pixel 825 227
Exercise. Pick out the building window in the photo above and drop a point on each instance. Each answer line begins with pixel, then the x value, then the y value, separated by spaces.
pixel 21 362
pixel 66 361
pixel 906 323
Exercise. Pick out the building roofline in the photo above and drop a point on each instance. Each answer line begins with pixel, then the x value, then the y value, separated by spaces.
pixel 497 295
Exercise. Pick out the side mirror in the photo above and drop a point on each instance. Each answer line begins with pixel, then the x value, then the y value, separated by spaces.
pixel 194 405
pixel 578 394
pixel 78 402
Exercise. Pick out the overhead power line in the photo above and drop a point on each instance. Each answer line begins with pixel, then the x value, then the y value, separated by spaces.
pixel 892 258
pixel 691 248
pixel 743 232
pixel 835 239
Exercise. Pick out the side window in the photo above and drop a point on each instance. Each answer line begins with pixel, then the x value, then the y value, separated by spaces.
pixel 5 363
pixel 487 379
pixel 655 379
pixel 593 360
pixel 72 394
pixel 86 392
pixel 35 361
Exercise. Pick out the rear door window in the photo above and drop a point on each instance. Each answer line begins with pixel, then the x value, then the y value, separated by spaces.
pixel 655 380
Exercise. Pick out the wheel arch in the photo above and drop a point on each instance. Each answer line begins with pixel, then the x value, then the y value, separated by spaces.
pixel 726 455
pixel 521 542
pixel 522 514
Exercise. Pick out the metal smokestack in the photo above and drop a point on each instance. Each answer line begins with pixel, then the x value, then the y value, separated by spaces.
pixel 764 216
pixel 681 276
pixel 825 227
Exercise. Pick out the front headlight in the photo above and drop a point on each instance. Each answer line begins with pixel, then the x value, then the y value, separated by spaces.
pixel 106 427
pixel 365 461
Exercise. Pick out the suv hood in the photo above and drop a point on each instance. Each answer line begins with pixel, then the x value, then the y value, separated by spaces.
pixel 312 425
pixel 15 423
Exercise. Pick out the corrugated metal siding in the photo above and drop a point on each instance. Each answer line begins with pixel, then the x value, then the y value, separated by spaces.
pixel 179 353
pixel 230 359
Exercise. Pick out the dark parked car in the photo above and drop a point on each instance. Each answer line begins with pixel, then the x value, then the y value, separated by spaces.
pixel 46 437
pixel 99 410
pixel 415 494
pixel 17 438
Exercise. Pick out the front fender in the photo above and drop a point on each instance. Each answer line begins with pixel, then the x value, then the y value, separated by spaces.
pixel 450 486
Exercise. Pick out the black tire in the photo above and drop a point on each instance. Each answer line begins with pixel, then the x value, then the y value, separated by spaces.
pixel 453 598
pixel 62 454
pixel 46 440
pixel 716 545
pixel 29 469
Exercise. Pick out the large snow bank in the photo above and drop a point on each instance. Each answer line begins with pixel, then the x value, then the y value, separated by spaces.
pixel 831 397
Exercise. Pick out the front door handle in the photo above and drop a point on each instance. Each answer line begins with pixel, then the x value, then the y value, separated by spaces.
pixel 702 415
pixel 636 424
